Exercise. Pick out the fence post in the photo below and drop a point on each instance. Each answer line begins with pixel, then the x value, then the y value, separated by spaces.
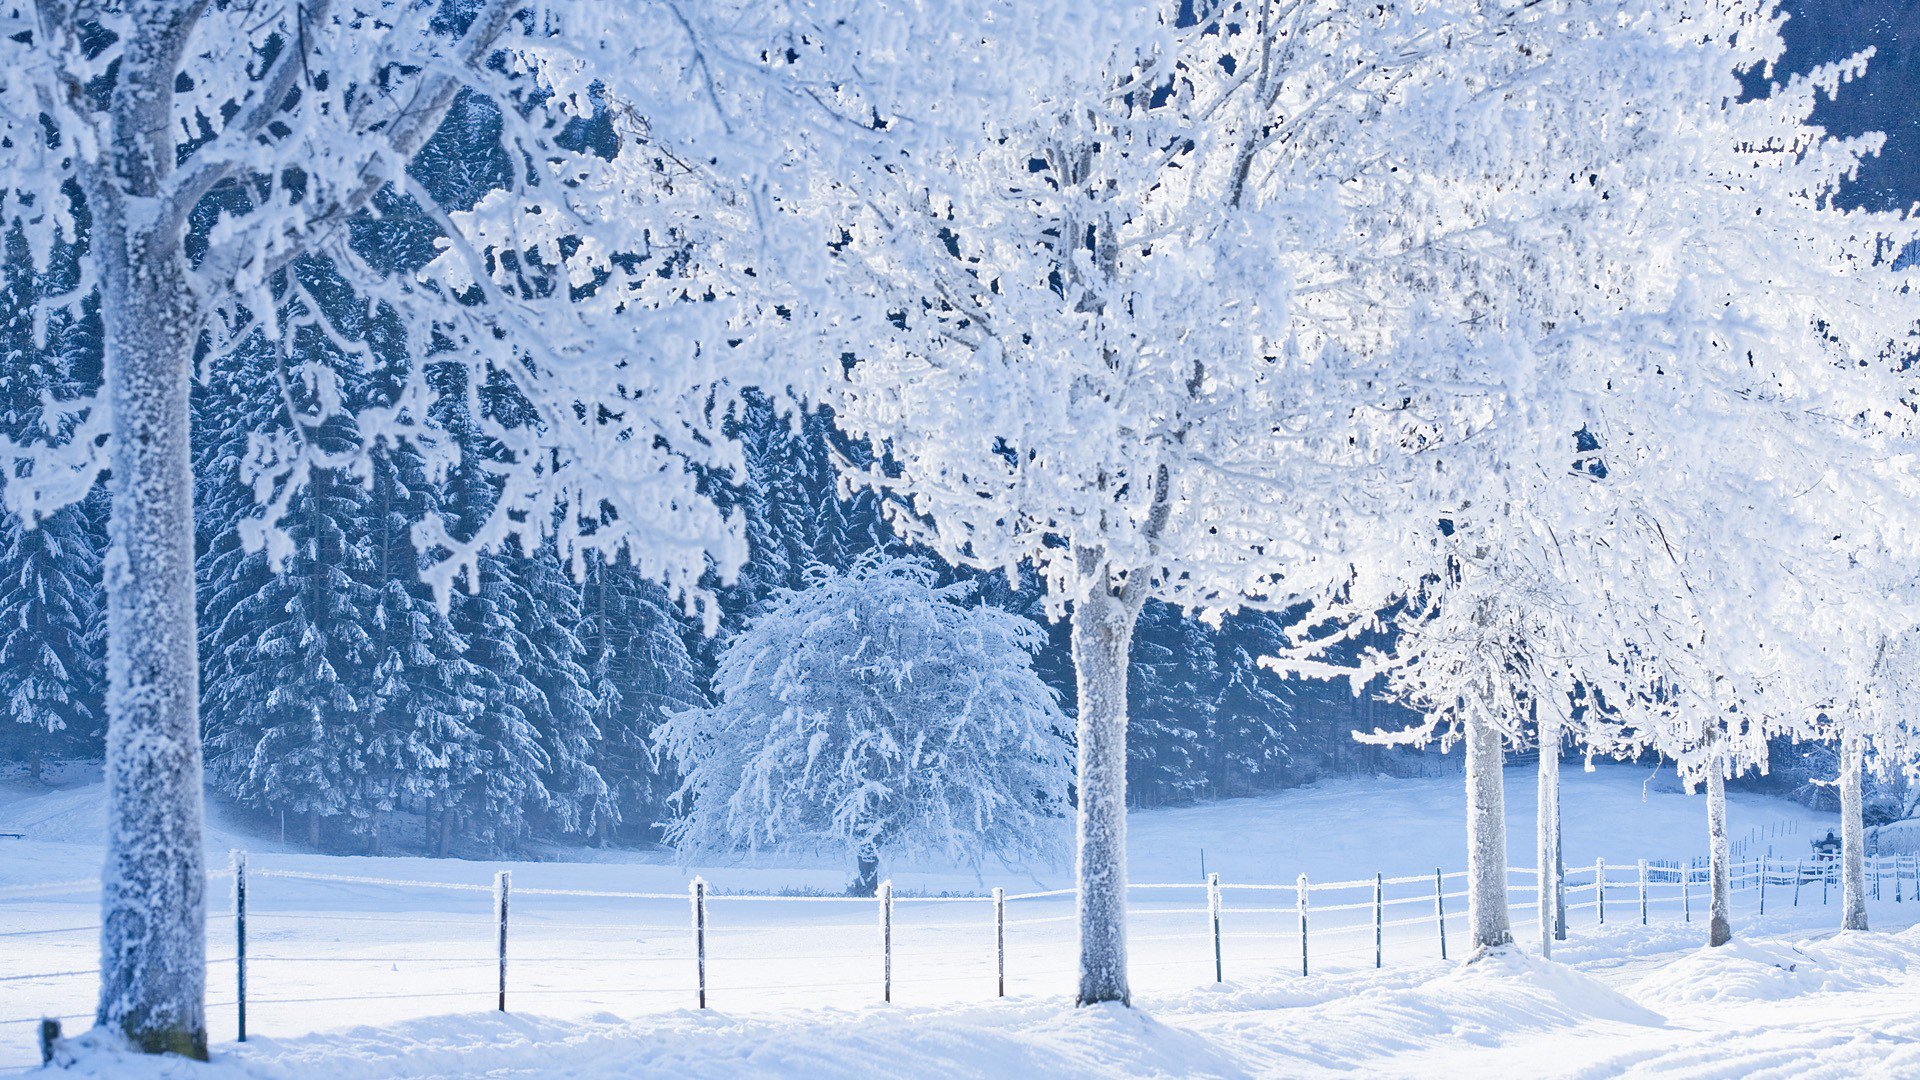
pixel 1600 887
pixel 1000 936
pixel 1826 877
pixel 1378 906
pixel 697 893
pixel 1763 884
pixel 1896 879
pixel 1440 909
pixel 1686 891
pixel 1799 875
pixel 502 885
pixel 886 941
pixel 1300 901
pixel 1643 892
pixel 1213 911
pixel 1874 862
pixel 240 938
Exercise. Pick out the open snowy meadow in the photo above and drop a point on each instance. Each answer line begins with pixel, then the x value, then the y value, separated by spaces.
pixel 358 967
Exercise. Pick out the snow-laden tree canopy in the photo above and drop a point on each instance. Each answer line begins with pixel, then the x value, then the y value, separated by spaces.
pixel 627 246
pixel 876 712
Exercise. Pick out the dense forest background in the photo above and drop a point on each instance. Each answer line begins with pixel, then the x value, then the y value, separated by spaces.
pixel 341 700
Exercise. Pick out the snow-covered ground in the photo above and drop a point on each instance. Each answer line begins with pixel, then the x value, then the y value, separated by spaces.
pixel 602 986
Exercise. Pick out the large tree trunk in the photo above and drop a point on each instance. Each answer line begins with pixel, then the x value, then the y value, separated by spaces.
pixel 1486 837
pixel 1102 642
pixel 152 936
pixel 1551 894
pixel 1853 837
pixel 152 947
pixel 1720 917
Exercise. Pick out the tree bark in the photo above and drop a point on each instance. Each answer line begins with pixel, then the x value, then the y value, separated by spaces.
pixel 1102 632
pixel 152 983
pixel 1853 836
pixel 1486 837
pixel 866 874
pixel 152 936
pixel 1720 917
pixel 1551 892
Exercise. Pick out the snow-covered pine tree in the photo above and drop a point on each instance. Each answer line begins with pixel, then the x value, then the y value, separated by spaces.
pixel 52 655
pixel 290 724
pixel 579 799
pixel 1173 699
pixel 640 672
pixel 123 122
pixel 876 714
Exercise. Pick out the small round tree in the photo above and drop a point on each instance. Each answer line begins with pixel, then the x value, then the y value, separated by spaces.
pixel 876 712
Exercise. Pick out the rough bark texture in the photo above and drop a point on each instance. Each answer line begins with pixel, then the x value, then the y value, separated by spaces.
pixel 1853 838
pixel 152 938
pixel 1547 841
pixel 1102 642
pixel 1720 918
pixel 866 873
pixel 1486 837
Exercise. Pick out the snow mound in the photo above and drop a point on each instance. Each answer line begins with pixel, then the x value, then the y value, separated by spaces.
pixel 1549 993
pixel 1773 970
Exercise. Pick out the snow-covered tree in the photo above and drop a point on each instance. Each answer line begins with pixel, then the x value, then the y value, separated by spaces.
pixel 875 714
pixel 1678 304
pixel 1198 338
pixel 198 149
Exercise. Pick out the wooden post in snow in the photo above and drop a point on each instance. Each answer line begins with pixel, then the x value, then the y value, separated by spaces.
pixel 1000 937
pixel 1300 901
pixel 1213 912
pixel 697 893
pixel 502 885
pixel 240 940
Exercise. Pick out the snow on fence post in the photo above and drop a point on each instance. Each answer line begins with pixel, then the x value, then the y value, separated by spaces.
pixel 1000 936
pixel 1763 884
pixel 502 885
pixel 1213 912
pixel 1440 909
pixel 1686 891
pixel 1896 879
pixel 1300 901
pixel 1643 892
pixel 1874 860
pixel 1600 887
pixel 1826 878
pixel 240 940
pixel 886 941
pixel 697 894
pixel 1799 875
pixel 1378 907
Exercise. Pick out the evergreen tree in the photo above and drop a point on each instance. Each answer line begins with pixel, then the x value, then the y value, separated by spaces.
pixel 640 673
pixel 52 651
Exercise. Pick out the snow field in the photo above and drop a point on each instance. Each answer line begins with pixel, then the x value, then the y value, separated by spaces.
pixel 337 942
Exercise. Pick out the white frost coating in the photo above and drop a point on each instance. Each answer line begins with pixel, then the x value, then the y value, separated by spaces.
pixel 1487 917
pixel 1719 858
pixel 1853 869
pixel 1102 632
pixel 875 713
pixel 623 291
pixel 1551 886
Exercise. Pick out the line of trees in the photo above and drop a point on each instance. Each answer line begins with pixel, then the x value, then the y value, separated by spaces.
pixel 1524 336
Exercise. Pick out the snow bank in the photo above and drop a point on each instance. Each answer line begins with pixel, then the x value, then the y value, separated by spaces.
pixel 1771 970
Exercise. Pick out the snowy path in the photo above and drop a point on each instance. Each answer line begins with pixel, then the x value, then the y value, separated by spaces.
pixel 601 986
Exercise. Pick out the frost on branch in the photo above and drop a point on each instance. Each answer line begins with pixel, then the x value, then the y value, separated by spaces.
pixel 876 713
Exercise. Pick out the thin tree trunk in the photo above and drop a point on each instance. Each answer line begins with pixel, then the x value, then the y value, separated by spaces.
pixel 313 829
pixel 1547 822
pixel 1853 837
pixel 1486 837
pixel 1102 632
pixel 1720 917
pixel 866 872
